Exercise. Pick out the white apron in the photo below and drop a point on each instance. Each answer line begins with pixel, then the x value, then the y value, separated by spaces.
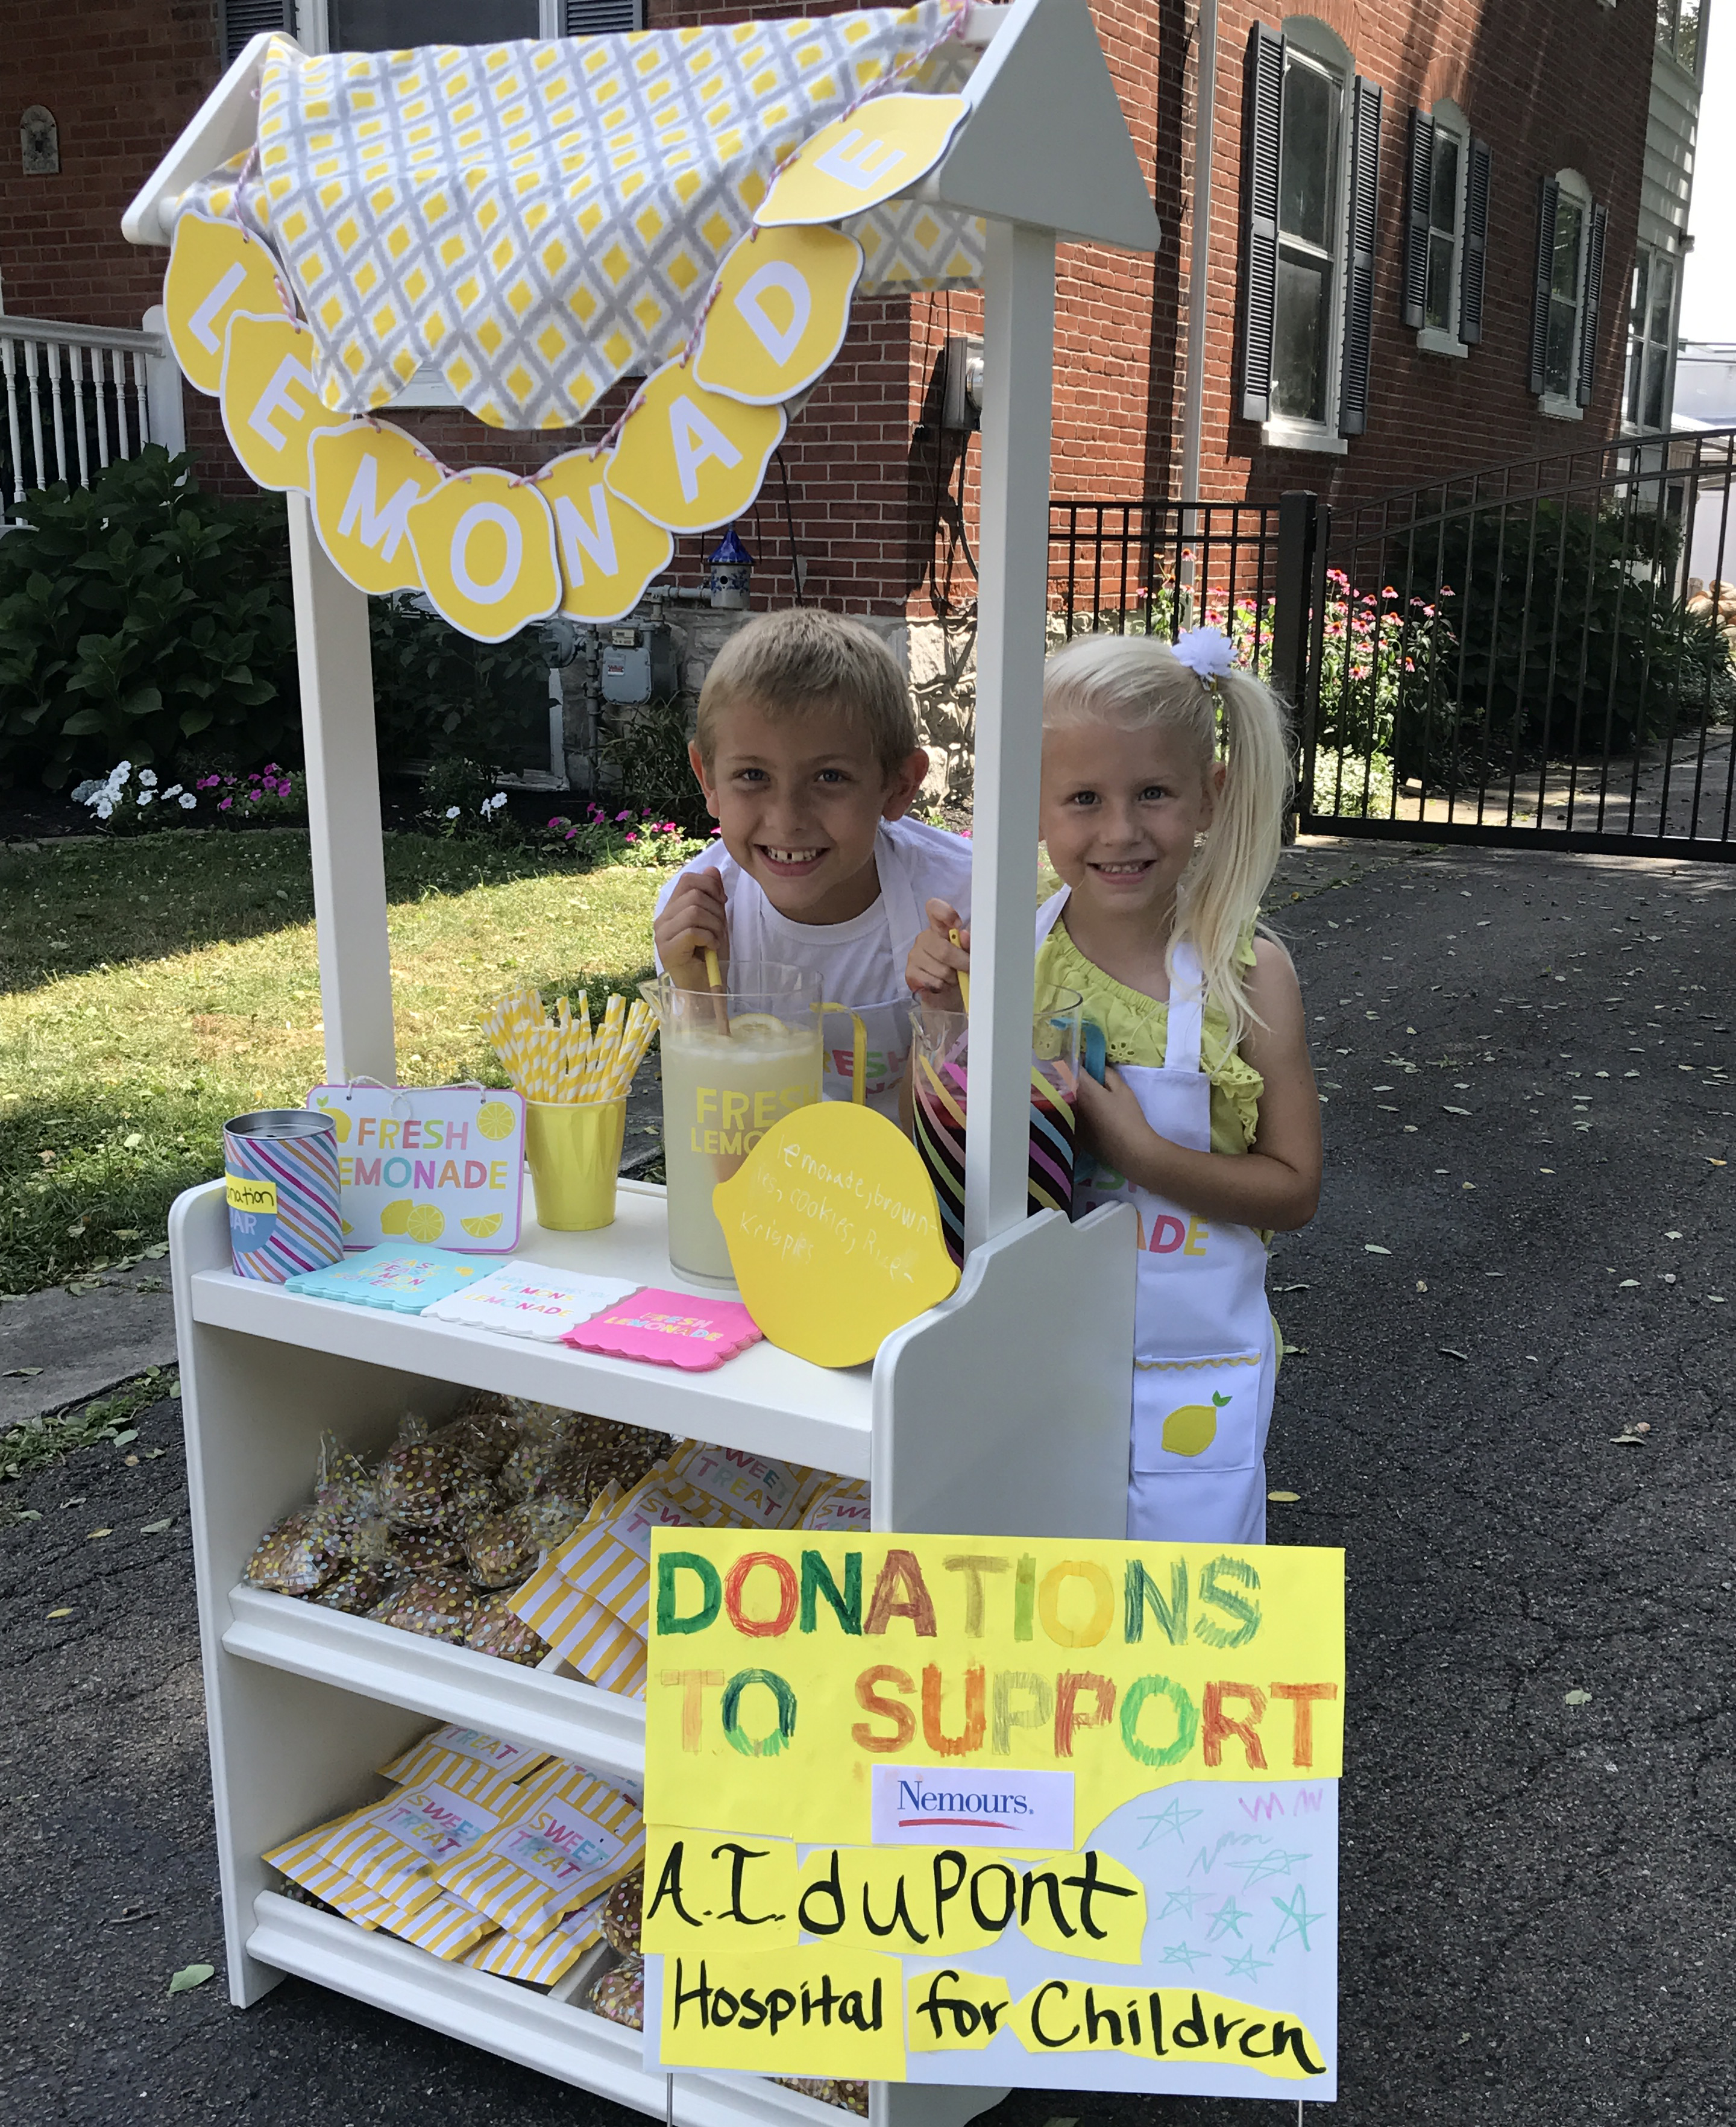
pixel 1205 1358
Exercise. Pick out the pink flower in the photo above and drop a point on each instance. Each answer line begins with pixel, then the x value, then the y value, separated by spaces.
pixel 631 837
pixel 620 817
pixel 570 833
pixel 224 804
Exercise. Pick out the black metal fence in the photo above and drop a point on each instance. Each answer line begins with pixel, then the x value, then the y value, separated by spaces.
pixel 1544 654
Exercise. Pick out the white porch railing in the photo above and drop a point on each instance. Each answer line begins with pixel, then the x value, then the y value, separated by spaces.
pixel 79 397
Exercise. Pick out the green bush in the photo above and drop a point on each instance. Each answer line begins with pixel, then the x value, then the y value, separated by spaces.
pixel 439 695
pixel 1561 635
pixel 141 617
pixel 647 770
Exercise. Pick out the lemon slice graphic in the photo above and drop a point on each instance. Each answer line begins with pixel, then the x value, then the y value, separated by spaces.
pixel 396 1217
pixel 482 1229
pixel 426 1222
pixel 493 1120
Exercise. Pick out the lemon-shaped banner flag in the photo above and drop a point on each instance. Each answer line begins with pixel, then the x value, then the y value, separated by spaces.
pixel 270 409
pixel 214 269
pixel 365 477
pixel 857 162
pixel 689 458
pixel 779 314
pixel 484 545
pixel 608 551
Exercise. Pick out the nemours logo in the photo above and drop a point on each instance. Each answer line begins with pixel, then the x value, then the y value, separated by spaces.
pixel 990 1811
pixel 940 1805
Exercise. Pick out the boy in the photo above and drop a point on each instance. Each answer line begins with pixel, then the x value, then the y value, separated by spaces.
pixel 807 753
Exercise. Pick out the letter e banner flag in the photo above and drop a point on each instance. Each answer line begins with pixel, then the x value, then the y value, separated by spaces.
pixel 992 1811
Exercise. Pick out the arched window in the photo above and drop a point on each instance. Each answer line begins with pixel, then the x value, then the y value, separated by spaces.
pixel 1446 225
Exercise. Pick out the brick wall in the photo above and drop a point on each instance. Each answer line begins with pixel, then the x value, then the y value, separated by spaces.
pixel 122 78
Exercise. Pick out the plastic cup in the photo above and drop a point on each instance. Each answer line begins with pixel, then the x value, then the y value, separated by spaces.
pixel 574 1148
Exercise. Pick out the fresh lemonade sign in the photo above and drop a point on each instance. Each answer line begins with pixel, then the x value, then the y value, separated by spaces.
pixel 965 1810
pixel 442 1166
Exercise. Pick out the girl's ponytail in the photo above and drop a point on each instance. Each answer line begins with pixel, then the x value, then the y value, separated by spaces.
pixel 1221 891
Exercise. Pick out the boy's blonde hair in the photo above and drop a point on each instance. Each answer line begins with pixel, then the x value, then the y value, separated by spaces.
pixel 1135 681
pixel 791 663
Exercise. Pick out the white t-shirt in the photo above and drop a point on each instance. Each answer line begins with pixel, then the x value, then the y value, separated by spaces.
pixel 859 963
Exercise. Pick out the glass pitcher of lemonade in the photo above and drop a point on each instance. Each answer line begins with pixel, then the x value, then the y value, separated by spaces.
pixel 733 1066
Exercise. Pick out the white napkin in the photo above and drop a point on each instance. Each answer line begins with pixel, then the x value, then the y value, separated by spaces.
pixel 531 1300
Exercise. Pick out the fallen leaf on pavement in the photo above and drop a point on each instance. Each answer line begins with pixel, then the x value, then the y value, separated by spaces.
pixel 1626 1440
pixel 1627 1284
pixel 1285 1499
pixel 189 1976
pixel 1447 1352
pixel 1447 1109
pixel 1290 1288
pixel 1578 1699
pixel 154 1528
pixel 1374 1249
pixel 60 1613
pixel 20 1373
pixel 95 1533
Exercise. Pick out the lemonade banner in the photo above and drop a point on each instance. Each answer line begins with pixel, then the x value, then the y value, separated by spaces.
pixel 737 181
pixel 442 1166
pixel 982 1811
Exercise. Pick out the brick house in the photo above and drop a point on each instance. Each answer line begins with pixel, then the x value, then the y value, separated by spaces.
pixel 1420 224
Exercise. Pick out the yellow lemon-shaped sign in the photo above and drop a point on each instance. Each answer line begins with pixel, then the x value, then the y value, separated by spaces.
pixel 779 314
pixel 857 162
pixel 365 477
pixel 834 1233
pixel 271 408
pixel 608 551
pixel 395 1218
pixel 214 269
pixel 426 1222
pixel 482 1229
pixel 485 547
pixel 1193 1428
pixel 688 459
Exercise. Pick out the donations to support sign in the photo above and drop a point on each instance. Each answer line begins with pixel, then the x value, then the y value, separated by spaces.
pixel 971 1810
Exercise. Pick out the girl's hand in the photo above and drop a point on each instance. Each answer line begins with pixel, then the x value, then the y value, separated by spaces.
pixel 935 964
pixel 695 917
pixel 1114 1125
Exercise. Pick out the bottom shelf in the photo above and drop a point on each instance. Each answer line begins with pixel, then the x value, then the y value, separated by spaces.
pixel 553 2037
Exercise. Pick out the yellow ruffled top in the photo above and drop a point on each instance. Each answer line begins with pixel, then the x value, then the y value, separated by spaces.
pixel 1136 1029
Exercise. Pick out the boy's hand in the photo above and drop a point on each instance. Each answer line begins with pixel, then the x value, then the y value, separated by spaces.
pixel 935 963
pixel 695 917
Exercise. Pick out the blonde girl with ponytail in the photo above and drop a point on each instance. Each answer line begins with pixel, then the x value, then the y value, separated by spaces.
pixel 1165 773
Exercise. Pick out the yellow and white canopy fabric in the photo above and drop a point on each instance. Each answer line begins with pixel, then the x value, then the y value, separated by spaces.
pixel 539 218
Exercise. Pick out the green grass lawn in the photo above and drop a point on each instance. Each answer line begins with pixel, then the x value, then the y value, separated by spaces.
pixel 151 989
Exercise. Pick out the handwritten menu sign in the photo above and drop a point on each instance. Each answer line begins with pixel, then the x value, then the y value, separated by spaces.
pixel 834 1233
pixel 980 1811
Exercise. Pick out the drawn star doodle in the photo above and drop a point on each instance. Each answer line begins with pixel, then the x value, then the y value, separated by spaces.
pixel 1179 1901
pixel 1179 1953
pixel 1227 1920
pixel 1298 1920
pixel 1172 1817
pixel 1247 1966
pixel 1261 1866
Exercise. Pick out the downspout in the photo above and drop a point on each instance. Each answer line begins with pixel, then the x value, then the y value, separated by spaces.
pixel 1199 234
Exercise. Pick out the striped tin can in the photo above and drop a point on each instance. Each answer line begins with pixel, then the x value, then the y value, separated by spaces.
pixel 281 1170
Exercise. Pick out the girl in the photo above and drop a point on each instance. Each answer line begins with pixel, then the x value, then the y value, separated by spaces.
pixel 1208 1124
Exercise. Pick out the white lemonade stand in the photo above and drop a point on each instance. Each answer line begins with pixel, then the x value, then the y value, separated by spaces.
pixel 1004 1411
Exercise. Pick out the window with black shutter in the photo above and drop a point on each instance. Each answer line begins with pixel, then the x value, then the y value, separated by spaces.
pixel 1265 98
pixel 1419 177
pixel 1359 291
pixel 244 20
pixel 1567 293
pixel 1475 245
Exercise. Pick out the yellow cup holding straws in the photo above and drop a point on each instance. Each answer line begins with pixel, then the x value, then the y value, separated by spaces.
pixel 574 1148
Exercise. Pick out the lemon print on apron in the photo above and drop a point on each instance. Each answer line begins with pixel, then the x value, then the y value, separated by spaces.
pixel 1193 1428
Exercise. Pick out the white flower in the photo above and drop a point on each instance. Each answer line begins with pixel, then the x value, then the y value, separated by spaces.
pixel 105 808
pixel 172 791
pixel 119 772
pixel 1205 651
pixel 452 811
pixel 491 806
pixel 187 801
pixel 85 793
pixel 144 799
pixel 147 779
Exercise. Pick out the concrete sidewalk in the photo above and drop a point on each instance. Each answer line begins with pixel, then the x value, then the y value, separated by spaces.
pixel 1507 1398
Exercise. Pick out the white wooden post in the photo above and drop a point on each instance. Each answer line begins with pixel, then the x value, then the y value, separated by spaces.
pixel 162 388
pixel 1012 607
pixel 342 810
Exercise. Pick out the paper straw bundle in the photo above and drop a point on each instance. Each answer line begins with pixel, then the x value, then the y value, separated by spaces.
pixel 566 1060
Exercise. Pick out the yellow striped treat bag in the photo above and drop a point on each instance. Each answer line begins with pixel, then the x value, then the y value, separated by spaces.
pixel 445 1751
pixel 766 1494
pixel 542 1964
pixel 583 1633
pixel 844 1507
pixel 446 1927
pixel 303 1861
pixel 577 1835
pixel 389 1848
